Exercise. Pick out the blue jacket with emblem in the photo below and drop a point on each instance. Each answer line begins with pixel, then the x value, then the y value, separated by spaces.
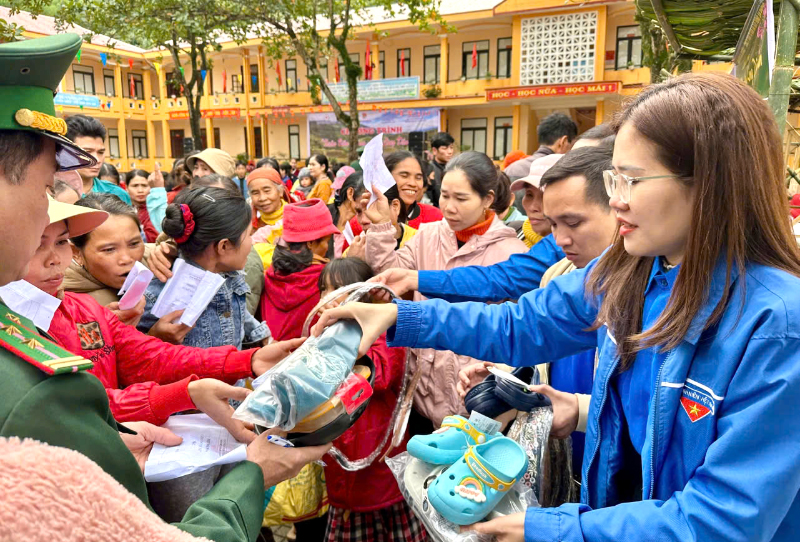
pixel 731 474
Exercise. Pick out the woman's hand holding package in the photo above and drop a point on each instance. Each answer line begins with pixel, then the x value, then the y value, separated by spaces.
pixel 268 356
pixel 129 317
pixel 279 463
pixel 373 319
pixel 211 397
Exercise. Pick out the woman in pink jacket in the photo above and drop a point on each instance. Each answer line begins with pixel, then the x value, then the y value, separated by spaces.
pixel 470 234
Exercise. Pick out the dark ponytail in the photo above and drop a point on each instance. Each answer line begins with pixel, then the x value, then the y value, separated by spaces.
pixel 292 258
pixel 354 181
pixel 483 177
pixel 502 197
pixel 217 214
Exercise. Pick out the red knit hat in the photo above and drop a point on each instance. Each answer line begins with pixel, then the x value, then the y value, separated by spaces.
pixel 307 221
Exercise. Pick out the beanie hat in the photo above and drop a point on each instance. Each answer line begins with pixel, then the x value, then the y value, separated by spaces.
pixel 512 157
pixel 218 160
pixel 265 172
pixel 307 221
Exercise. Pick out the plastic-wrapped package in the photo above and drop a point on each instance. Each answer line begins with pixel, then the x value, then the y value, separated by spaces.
pixel 415 476
pixel 304 380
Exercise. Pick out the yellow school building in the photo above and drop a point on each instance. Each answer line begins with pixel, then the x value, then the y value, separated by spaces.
pixel 508 64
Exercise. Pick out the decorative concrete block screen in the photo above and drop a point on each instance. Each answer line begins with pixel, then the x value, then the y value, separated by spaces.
pixel 558 48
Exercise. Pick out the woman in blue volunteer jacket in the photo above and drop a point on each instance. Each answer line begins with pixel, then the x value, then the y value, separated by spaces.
pixel 693 433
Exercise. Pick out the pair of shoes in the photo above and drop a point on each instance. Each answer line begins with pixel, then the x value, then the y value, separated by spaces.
pixel 482 469
pixel 496 395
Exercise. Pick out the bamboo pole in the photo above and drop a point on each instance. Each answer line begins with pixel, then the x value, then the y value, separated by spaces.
pixel 786 47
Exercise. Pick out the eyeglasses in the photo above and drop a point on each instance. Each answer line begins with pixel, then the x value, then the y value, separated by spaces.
pixel 619 183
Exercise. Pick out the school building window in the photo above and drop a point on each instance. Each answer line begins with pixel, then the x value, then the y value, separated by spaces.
pixel 253 77
pixel 138 86
pixel 433 55
pixel 629 48
pixel 139 140
pixel 113 143
pixel 294 141
pixel 382 64
pixel 204 138
pixel 108 82
pixel 236 84
pixel 323 68
pixel 502 136
pixel 473 135
pixel 503 58
pixel 342 71
pixel 481 48
pixel 173 85
pixel 291 75
pixel 83 79
pixel 403 62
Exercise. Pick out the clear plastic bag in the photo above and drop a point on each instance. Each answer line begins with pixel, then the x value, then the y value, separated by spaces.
pixel 304 380
pixel 414 477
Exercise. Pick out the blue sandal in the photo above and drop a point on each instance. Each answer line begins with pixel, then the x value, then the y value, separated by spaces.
pixel 447 444
pixel 471 488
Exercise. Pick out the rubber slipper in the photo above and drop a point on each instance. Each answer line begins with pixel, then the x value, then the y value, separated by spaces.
pixel 447 444
pixel 518 397
pixel 482 398
pixel 471 488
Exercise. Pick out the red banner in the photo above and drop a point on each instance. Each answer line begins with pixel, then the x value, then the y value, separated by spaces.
pixel 545 91
pixel 231 113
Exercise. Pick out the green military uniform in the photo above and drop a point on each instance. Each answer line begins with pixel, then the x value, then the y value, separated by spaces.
pixel 45 393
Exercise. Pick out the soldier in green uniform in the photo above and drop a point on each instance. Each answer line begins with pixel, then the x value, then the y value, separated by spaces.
pixel 45 393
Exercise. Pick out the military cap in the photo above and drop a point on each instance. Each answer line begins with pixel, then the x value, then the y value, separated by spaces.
pixel 30 72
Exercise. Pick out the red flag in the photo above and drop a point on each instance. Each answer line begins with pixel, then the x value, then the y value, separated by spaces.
pixel 403 62
pixel 336 71
pixel 368 64
pixel 474 55
pixel 130 63
pixel 280 77
pixel 133 88
pixel 224 81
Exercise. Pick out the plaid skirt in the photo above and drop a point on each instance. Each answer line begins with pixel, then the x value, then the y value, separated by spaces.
pixel 396 523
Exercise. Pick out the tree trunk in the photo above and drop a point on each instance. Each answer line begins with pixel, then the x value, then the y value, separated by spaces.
pixel 193 103
pixel 355 122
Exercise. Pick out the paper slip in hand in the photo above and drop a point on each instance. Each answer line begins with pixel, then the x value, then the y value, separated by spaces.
pixel 375 171
pixel 31 302
pixel 348 234
pixel 191 289
pixel 135 284
pixel 205 444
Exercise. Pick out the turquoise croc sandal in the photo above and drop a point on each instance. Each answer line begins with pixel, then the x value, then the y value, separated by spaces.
pixel 471 488
pixel 449 443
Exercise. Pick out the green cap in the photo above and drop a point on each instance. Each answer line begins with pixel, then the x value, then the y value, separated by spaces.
pixel 30 72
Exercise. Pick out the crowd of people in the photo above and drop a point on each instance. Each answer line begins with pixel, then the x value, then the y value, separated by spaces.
pixel 646 268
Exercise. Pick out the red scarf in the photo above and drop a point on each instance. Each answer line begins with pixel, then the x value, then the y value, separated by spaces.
pixel 477 229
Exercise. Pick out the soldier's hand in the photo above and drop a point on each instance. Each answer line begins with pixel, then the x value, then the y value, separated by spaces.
pixel 148 434
pixel 211 397
pixel 279 463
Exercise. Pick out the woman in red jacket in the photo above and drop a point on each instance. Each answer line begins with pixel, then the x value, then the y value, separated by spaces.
pixel 367 501
pixel 146 379
pixel 290 287
pixel 407 172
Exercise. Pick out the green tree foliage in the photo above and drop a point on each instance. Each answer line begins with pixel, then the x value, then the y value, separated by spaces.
pixel 317 29
pixel 186 29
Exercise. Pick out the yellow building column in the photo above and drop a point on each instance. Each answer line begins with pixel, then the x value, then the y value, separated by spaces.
pixel 516 46
pixel 211 141
pixel 515 126
pixel 122 134
pixel 251 136
pixel 264 135
pixel 151 128
pixel 165 138
pixel 375 57
pixel 600 112
pixel 262 80
pixel 444 63
pixel 443 120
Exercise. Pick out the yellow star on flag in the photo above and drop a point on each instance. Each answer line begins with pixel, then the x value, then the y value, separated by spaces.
pixel 694 410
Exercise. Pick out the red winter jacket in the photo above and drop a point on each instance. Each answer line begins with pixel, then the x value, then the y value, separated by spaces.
pixel 374 487
pixel 427 213
pixel 146 379
pixel 287 300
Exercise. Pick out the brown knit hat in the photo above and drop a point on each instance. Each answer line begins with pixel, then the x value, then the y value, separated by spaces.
pixel 218 160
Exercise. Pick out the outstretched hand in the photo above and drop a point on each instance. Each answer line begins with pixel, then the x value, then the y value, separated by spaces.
pixel 373 319
pixel 401 281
